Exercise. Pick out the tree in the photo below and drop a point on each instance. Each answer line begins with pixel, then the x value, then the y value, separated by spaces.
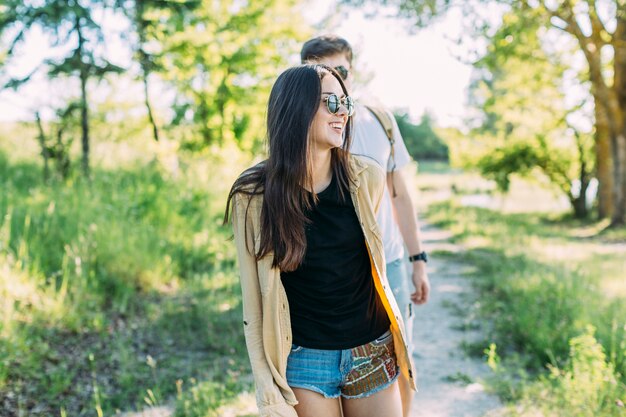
pixel 525 124
pixel 144 19
pixel 608 90
pixel 589 23
pixel 136 12
pixel 222 59
pixel 69 23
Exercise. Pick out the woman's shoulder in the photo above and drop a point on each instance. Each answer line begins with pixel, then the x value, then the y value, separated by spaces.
pixel 248 187
pixel 367 168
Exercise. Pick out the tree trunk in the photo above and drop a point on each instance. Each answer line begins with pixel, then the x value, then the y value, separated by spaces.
pixel 604 162
pixel 608 110
pixel 619 212
pixel 44 149
pixel 62 154
pixel 141 24
pixel 619 87
pixel 155 129
pixel 584 176
pixel 84 110
pixel 84 120
pixel 580 206
pixel 202 116
pixel 579 203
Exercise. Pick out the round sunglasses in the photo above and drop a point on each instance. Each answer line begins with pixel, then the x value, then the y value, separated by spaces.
pixel 333 104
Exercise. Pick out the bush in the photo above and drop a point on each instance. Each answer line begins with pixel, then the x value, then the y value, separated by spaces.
pixel 587 386
pixel 421 140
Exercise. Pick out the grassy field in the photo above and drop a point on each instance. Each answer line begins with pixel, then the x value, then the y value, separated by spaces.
pixel 553 289
pixel 121 292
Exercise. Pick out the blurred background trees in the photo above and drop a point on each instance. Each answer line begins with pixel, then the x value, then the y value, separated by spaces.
pixel 71 25
pixel 535 33
pixel 547 92
pixel 211 63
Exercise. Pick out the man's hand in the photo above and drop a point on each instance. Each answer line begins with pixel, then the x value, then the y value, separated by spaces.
pixel 421 283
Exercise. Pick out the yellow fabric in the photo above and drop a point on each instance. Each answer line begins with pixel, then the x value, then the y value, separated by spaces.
pixel 267 325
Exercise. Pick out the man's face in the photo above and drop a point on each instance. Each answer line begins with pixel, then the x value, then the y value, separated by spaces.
pixel 338 60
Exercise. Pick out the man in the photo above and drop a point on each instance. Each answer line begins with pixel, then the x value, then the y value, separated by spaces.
pixel 396 217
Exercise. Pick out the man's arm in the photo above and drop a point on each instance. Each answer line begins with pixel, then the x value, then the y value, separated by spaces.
pixel 406 218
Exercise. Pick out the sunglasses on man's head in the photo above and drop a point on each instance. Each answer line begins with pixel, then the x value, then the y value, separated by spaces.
pixel 342 71
pixel 333 104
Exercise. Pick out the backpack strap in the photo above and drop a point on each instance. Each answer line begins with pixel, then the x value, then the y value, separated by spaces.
pixel 387 124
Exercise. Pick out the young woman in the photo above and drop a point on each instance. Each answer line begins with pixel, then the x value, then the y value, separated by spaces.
pixel 322 328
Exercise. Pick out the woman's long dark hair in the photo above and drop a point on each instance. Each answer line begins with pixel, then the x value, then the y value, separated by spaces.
pixel 281 179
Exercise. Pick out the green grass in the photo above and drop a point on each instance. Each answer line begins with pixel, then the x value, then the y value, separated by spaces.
pixel 115 293
pixel 555 292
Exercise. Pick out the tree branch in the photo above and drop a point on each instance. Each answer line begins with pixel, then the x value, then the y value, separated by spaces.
pixel 605 95
pixel 598 31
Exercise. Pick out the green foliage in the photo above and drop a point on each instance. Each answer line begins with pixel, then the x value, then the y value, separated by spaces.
pixel 519 91
pixel 586 380
pixel 218 58
pixel 519 85
pixel 527 67
pixel 70 24
pixel 586 386
pixel 63 20
pixel 518 158
pixel 421 140
pixel 501 163
pixel 463 149
pixel 134 263
pixel 222 59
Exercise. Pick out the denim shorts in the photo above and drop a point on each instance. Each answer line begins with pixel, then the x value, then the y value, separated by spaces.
pixel 351 373
pixel 399 279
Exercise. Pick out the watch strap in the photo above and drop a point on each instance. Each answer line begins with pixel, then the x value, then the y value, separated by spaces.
pixel 419 257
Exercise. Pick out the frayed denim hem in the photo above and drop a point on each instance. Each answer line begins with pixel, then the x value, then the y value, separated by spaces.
pixel 314 389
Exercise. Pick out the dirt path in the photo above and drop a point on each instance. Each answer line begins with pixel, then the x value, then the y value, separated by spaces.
pixel 449 381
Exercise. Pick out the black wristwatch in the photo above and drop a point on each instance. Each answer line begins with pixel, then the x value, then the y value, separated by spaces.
pixel 419 257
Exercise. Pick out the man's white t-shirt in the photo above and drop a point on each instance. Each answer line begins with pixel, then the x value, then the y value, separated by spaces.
pixel 369 139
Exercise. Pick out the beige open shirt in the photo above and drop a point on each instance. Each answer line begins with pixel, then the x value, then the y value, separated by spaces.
pixel 267 325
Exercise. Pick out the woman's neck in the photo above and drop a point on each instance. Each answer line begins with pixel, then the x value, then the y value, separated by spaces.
pixel 321 170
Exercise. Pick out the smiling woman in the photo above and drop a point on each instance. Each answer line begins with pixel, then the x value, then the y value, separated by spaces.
pixel 322 328
pixel 327 126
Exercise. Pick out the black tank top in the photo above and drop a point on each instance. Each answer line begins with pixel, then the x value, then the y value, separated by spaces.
pixel 332 298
